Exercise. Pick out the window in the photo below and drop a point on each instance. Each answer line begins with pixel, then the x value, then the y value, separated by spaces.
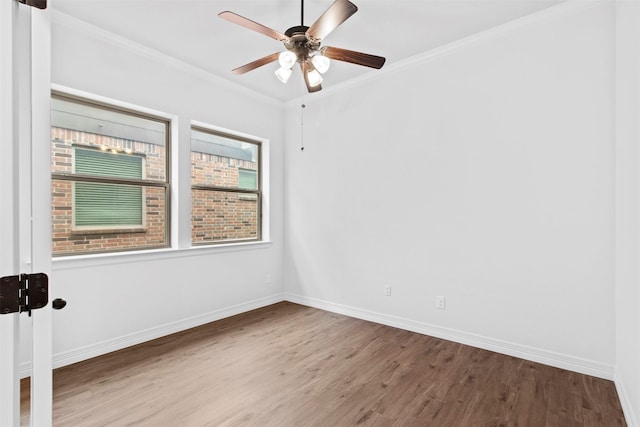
pixel 110 178
pixel 225 188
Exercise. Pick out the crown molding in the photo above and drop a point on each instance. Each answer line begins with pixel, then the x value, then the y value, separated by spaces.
pixel 567 8
pixel 73 23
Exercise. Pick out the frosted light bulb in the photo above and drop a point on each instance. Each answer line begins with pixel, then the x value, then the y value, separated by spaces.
pixel 283 74
pixel 287 59
pixel 314 78
pixel 321 63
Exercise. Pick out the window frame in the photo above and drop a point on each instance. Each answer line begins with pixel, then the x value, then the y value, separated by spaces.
pixel 178 243
pixel 259 192
pixel 142 183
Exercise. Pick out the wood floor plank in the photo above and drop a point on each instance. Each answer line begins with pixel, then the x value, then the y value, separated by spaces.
pixel 289 365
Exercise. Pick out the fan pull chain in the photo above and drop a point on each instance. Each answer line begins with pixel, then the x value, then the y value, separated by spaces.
pixel 302 107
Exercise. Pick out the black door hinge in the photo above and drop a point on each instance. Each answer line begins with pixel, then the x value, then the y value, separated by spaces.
pixel 40 4
pixel 24 292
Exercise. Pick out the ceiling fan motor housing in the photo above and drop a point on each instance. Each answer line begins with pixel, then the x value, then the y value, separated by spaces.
pixel 299 43
pixel 300 29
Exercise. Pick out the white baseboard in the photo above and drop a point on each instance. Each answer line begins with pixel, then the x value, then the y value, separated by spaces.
pixel 104 347
pixel 558 360
pixel 625 401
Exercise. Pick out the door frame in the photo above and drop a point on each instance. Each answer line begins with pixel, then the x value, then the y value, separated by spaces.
pixel 40 162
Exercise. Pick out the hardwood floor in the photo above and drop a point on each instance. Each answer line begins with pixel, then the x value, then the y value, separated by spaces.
pixel 289 365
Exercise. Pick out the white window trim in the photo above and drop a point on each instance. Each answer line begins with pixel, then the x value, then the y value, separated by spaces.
pixel 64 90
pixel 171 119
pixel 180 193
pixel 263 170
pixel 117 258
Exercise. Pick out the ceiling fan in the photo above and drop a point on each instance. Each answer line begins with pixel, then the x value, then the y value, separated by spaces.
pixel 303 45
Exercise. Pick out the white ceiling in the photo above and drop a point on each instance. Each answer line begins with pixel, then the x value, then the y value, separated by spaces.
pixel 191 31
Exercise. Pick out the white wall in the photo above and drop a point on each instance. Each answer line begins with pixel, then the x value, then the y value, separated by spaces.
pixel 114 301
pixel 483 174
pixel 627 214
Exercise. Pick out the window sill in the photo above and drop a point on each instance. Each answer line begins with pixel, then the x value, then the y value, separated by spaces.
pixel 113 258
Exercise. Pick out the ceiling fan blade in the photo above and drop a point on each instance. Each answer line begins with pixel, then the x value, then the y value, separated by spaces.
pixel 256 64
pixel 252 25
pixel 337 13
pixel 354 57
pixel 305 69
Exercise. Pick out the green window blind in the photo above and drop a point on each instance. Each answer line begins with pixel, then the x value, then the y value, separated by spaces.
pixel 106 163
pixel 248 179
pixel 107 205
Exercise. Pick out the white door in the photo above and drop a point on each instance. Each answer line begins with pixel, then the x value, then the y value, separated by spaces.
pixel 25 231
pixel 9 326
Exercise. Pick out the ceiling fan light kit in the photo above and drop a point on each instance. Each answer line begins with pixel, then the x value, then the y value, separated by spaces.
pixel 303 46
pixel 287 59
pixel 314 78
pixel 283 74
pixel 321 63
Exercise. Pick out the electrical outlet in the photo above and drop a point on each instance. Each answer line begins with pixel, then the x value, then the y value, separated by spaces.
pixel 440 303
pixel 387 290
pixel 267 279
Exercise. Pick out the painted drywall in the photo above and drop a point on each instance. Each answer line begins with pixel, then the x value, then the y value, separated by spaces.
pixel 115 301
pixel 483 174
pixel 627 290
